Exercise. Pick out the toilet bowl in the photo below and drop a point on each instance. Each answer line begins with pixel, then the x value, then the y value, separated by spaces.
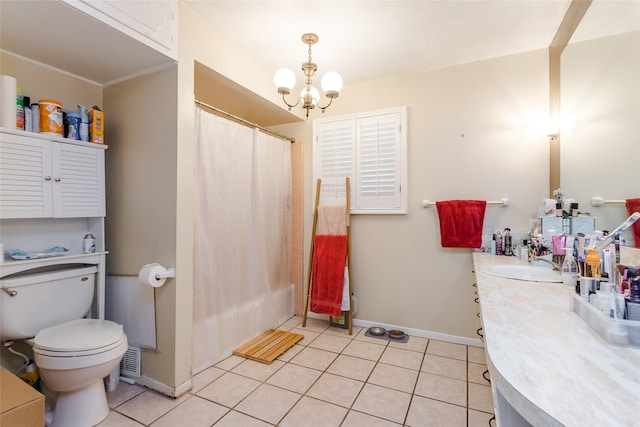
pixel 73 358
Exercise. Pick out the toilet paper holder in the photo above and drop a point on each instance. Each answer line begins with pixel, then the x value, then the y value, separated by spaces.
pixel 168 273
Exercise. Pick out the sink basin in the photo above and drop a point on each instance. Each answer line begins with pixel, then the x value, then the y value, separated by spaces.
pixel 524 272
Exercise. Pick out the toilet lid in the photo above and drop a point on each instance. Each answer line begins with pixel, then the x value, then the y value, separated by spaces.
pixel 79 335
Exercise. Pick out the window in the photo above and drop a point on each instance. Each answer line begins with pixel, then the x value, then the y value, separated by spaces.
pixel 371 149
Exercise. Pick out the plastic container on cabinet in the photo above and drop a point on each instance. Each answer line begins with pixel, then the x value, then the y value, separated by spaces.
pixel 624 333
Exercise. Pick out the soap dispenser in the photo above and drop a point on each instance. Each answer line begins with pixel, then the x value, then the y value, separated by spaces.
pixel 84 123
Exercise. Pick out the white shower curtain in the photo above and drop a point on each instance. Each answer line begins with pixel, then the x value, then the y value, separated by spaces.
pixel 242 236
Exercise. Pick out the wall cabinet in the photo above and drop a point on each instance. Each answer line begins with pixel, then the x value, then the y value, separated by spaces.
pixel 44 178
pixel 152 22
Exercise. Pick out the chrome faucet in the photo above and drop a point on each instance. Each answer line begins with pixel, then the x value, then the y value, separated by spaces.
pixel 555 266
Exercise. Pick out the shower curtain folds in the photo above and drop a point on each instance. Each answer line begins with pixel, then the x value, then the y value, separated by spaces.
pixel 242 229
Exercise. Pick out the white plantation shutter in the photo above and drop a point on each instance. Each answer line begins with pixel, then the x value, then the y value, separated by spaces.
pixel 378 174
pixel 370 148
pixel 335 143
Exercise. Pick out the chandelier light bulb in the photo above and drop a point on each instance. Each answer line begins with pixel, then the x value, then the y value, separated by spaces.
pixel 331 84
pixel 310 96
pixel 284 80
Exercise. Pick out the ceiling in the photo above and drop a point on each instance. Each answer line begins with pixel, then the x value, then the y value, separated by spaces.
pixel 370 40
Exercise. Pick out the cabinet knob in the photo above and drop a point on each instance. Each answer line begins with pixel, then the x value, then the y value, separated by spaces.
pixel 58 179
pixel 47 178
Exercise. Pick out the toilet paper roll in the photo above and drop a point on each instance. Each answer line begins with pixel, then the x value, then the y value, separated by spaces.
pixel 148 275
pixel 8 94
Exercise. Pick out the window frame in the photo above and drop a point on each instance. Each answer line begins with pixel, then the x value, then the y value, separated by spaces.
pixel 352 124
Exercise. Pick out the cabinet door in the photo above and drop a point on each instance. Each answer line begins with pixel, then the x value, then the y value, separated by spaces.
pixel 78 181
pixel 152 22
pixel 25 177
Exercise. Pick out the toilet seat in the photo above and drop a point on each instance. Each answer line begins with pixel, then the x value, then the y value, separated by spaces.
pixel 77 338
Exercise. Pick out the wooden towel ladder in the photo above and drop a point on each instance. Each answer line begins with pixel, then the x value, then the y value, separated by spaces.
pixel 349 314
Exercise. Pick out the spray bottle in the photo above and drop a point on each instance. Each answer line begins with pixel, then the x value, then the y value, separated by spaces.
pixel 84 123
pixel 508 249
pixel 498 243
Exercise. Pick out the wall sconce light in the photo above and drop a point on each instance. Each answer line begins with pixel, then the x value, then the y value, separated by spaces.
pixel 331 83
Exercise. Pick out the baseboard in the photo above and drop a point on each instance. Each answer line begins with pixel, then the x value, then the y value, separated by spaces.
pixel 455 339
pixel 163 388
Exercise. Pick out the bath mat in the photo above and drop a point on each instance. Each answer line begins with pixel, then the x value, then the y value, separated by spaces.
pixel 268 346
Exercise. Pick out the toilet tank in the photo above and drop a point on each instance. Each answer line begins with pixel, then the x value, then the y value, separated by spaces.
pixel 30 302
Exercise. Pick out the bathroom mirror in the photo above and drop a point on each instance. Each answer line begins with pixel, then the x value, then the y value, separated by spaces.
pixel 600 112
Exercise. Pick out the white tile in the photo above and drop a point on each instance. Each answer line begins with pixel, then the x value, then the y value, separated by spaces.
pixel 310 412
pixel 149 406
pixel 122 393
pixel 395 377
pixel 294 378
pixel 358 419
pixel 268 403
pixel 257 370
pixel 428 412
pixel 229 389
pixel 314 358
pixel 477 355
pixel 400 357
pixel 447 349
pixel 352 367
pixel 336 389
pixel 418 344
pixel 442 388
pixel 194 412
pixel 343 332
pixel 480 419
pixel 288 355
pixel 382 402
pixel 205 378
pixel 330 342
pixel 480 397
pixel 477 374
pixel 236 419
pixel 230 362
pixel 365 350
pixel 309 335
pixel 445 366
pixel 115 419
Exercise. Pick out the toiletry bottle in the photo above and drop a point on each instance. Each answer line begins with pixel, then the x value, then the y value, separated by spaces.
pixel 493 245
pixel 508 251
pixel 524 251
pixel 569 270
pixel 593 266
pixel 84 123
pixel 19 109
pixel 498 243
pixel 28 119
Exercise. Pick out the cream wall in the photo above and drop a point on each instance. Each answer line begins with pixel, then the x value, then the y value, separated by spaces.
pixel 601 105
pixel 401 275
pixel 140 225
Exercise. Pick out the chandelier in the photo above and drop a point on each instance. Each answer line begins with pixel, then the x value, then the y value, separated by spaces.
pixel 331 82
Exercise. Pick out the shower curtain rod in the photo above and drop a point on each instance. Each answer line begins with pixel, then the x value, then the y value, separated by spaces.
pixel 246 122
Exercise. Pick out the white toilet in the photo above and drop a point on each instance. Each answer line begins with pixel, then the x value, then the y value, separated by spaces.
pixel 73 354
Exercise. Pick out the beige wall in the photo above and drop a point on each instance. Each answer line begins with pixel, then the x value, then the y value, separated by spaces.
pixel 141 200
pixel 401 275
pixel 40 82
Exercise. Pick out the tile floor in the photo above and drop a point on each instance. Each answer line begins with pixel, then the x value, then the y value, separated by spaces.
pixel 328 379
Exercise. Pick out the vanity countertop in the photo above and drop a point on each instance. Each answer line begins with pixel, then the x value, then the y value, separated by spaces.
pixel 550 366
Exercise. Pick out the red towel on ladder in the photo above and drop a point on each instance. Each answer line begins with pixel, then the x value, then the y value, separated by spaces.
pixel 633 205
pixel 327 278
pixel 461 223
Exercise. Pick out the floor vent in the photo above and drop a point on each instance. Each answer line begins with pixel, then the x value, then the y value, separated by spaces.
pixel 130 363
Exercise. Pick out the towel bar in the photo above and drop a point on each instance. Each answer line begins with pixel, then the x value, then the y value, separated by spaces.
pixel 599 201
pixel 504 202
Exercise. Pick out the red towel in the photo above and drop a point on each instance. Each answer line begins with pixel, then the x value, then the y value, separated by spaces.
pixel 633 205
pixel 461 223
pixel 329 258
